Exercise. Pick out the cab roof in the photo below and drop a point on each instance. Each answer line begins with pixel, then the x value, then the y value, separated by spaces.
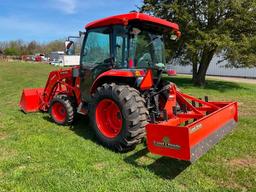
pixel 124 19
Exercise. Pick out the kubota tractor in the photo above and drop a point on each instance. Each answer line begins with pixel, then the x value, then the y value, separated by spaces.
pixel 119 84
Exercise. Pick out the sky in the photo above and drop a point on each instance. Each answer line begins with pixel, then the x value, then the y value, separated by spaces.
pixel 47 20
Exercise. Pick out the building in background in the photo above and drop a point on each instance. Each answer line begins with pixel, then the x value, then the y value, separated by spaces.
pixel 59 58
pixel 55 57
pixel 217 69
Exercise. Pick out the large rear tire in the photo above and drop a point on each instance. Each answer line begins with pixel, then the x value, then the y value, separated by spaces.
pixel 61 110
pixel 118 116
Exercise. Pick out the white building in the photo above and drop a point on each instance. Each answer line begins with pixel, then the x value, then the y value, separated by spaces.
pixel 218 70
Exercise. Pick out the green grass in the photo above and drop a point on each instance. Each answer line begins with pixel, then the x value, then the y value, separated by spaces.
pixel 38 155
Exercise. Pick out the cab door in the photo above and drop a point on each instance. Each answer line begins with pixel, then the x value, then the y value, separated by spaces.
pixel 96 57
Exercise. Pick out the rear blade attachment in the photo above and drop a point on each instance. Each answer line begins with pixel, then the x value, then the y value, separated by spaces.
pixel 193 129
pixel 31 99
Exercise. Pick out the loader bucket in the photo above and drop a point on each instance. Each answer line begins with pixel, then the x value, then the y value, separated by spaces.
pixel 190 141
pixel 31 99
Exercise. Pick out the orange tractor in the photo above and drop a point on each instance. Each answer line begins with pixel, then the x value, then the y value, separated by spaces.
pixel 119 84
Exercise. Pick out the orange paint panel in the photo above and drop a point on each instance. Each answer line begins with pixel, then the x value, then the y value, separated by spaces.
pixel 210 123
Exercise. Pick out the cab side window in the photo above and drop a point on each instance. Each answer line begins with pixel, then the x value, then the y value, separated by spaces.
pixel 97 47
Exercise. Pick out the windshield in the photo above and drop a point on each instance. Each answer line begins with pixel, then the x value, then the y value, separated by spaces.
pixel 146 49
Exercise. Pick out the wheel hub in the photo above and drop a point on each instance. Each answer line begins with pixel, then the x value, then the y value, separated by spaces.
pixel 109 118
pixel 59 112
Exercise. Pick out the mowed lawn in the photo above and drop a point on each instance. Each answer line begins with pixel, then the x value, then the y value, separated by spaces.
pixel 38 155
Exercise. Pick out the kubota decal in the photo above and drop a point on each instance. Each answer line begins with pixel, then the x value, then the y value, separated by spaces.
pixel 166 143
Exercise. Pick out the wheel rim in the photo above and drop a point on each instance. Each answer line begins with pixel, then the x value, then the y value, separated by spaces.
pixel 109 118
pixel 59 112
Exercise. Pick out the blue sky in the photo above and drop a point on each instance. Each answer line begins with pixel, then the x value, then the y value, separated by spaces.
pixel 46 20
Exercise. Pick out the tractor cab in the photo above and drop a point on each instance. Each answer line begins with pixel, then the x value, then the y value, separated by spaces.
pixel 131 42
pixel 138 45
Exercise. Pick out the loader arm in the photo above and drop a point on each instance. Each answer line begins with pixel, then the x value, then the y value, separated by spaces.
pixel 59 82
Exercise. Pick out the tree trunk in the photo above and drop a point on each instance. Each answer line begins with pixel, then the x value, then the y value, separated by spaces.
pixel 200 73
pixel 194 67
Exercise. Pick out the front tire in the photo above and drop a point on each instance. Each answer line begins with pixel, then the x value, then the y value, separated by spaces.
pixel 118 116
pixel 61 110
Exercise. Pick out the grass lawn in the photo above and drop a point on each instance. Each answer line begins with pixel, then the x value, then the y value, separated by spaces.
pixel 38 155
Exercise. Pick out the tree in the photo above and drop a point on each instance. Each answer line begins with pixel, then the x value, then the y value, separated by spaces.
pixel 210 27
pixel 11 51
pixel 32 48
pixel 19 47
pixel 57 45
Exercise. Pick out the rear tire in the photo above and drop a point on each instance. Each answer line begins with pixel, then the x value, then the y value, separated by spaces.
pixel 61 110
pixel 126 113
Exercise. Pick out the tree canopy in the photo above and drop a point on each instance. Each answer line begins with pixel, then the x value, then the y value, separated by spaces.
pixel 19 47
pixel 210 27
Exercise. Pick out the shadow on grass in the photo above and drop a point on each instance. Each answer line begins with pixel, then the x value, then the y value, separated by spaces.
pixel 217 85
pixel 81 127
pixel 163 167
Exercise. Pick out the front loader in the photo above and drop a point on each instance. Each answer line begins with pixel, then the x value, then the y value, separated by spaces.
pixel 119 85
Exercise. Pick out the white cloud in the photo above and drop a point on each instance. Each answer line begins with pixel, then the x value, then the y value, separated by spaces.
pixel 66 6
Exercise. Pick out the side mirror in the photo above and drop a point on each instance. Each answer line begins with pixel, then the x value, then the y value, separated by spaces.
pixel 69 47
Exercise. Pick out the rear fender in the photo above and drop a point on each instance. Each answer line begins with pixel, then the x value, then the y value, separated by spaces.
pixel 116 76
